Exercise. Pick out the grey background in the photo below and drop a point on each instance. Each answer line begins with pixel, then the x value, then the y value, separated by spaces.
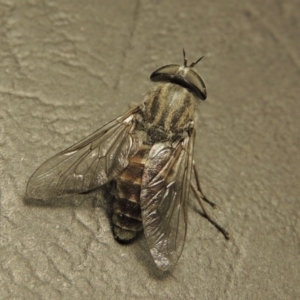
pixel 68 67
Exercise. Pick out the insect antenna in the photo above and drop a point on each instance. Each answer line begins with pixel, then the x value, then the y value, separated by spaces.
pixel 193 63
pixel 184 59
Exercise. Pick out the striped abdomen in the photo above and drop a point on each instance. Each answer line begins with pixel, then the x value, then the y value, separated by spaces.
pixel 167 113
pixel 126 219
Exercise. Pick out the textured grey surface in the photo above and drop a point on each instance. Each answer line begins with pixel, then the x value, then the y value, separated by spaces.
pixel 68 68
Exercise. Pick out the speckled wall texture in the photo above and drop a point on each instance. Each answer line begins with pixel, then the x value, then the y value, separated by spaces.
pixel 69 67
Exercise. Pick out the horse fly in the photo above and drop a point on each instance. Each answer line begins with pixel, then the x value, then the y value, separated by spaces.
pixel 147 157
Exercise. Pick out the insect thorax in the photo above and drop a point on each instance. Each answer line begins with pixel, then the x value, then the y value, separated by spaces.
pixel 168 111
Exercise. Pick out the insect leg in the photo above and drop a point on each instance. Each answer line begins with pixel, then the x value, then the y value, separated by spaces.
pixel 200 196
pixel 196 173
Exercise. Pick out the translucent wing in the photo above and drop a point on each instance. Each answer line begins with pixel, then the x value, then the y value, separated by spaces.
pixel 164 195
pixel 88 164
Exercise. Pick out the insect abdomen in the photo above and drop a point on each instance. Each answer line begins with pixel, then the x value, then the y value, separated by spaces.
pixel 126 219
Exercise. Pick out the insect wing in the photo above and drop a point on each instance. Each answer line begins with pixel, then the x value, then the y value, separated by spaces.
pixel 164 195
pixel 88 164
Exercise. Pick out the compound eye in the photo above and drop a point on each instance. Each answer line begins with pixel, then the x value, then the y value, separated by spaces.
pixel 194 79
pixel 164 73
pixel 183 76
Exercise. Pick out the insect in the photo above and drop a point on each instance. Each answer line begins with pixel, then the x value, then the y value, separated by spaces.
pixel 146 156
